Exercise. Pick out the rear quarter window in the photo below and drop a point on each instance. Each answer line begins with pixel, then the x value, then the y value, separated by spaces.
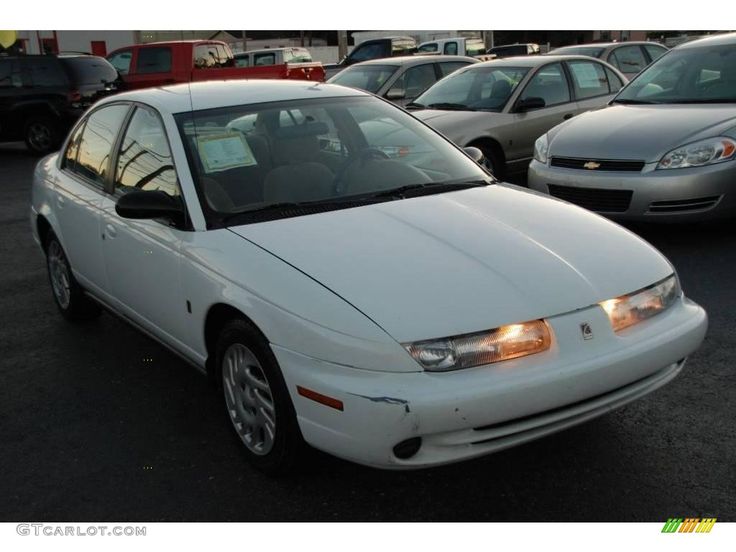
pixel 43 71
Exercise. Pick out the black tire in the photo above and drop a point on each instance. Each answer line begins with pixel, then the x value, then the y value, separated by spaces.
pixel 71 301
pixel 492 160
pixel 287 447
pixel 41 134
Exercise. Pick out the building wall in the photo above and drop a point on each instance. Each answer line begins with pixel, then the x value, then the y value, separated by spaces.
pixel 77 41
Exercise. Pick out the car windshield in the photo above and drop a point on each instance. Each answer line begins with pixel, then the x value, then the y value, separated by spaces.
pixel 485 88
pixel 366 77
pixel 591 51
pixel 273 157
pixel 705 74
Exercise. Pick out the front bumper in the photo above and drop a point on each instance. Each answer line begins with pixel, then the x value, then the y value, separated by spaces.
pixel 469 413
pixel 699 193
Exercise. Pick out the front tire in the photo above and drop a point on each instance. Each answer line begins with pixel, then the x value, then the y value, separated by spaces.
pixel 257 400
pixel 68 295
pixel 492 161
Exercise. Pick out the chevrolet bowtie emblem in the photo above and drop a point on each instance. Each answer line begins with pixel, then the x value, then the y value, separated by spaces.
pixel 592 165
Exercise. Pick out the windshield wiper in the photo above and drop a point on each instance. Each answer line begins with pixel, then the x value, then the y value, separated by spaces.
pixel 704 101
pixel 415 105
pixel 430 187
pixel 625 101
pixel 451 106
pixel 286 205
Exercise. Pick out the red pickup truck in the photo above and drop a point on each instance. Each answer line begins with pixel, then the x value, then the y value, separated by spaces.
pixel 162 63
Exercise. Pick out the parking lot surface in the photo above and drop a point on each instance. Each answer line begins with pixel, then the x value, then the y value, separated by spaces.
pixel 98 422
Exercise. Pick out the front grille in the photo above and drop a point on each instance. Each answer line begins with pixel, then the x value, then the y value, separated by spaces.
pixel 606 201
pixel 695 204
pixel 603 164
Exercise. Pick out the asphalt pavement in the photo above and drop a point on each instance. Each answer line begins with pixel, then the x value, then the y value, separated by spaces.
pixel 98 422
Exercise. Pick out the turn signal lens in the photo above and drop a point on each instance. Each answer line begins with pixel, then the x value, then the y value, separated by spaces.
pixel 468 350
pixel 633 308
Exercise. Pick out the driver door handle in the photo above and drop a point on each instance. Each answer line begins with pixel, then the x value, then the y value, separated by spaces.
pixel 111 231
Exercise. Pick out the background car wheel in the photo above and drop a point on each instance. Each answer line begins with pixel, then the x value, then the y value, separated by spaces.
pixel 41 134
pixel 68 294
pixel 257 400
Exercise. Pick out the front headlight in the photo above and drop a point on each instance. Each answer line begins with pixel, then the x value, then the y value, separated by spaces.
pixel 633 308
pixel 697 154
pixel 540 149
pixel 465 351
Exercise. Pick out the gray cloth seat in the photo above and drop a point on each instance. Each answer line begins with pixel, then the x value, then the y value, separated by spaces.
pixel 298 176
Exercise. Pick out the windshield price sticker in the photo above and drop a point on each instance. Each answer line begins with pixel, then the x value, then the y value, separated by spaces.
pixel 225 151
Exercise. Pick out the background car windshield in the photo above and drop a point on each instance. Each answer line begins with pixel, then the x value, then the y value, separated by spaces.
pixel 249 157
pixel 690 75
pixel 485 88
pixel 367 77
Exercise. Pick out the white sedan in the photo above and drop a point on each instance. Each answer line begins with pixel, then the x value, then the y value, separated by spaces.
pixel 382 299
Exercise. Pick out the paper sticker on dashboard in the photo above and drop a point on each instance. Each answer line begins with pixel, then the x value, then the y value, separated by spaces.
pixel 224 151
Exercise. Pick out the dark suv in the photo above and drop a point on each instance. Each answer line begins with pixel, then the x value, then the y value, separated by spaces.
pixel 42 96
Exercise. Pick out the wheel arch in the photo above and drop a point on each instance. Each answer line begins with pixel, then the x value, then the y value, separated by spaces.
pixel 218 315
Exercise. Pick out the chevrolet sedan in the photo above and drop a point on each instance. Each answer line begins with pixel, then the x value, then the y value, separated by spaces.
pixel 663 151
pixel 372 293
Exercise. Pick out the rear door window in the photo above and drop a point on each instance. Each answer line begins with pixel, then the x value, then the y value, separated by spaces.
pixel 628 59
pixel 43 72
pixel 95 145
pixel 153 60
pixel 589 79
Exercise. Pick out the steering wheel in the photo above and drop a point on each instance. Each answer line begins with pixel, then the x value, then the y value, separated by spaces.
pixel 364 155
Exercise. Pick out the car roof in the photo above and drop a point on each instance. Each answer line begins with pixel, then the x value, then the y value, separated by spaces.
pixel 715 40
pixel 179 98
pixel 609 44
pixel 531 61
pixel 414 60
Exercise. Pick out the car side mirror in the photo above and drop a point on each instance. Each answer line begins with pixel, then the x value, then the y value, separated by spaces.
pixel 527 104
pixel 396 94
pixel 474 153
pixel 150 204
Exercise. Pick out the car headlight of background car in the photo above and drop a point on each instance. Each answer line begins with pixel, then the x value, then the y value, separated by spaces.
pixel 468 350
pixel 697 154
pixel 627 310
pixel 540 149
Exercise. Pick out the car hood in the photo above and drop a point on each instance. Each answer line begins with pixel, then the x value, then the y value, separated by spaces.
pixel 463 261
pixel 641 132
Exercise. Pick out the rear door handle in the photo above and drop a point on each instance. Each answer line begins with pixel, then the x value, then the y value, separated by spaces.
pixel 111 231
pixel 60 201
pixel 568 116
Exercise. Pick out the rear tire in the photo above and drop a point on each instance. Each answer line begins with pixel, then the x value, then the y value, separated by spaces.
pixel 69 296
pixel 257 400
pixel 41 134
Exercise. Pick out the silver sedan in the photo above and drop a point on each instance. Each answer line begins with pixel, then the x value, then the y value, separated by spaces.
pixel 400 79
pixel 663 151
pixel 502 106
